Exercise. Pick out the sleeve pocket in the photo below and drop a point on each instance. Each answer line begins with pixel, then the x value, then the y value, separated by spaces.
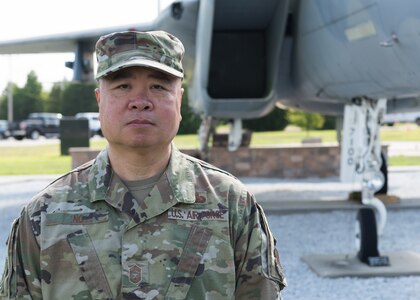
pixel 8 279
pixel 271 260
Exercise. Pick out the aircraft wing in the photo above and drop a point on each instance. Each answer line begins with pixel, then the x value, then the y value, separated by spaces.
pixel 63 42
pixel 82 43
pixel 178 19
pixel 244 57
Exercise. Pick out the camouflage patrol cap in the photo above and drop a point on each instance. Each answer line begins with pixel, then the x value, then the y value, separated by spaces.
pixel 155 49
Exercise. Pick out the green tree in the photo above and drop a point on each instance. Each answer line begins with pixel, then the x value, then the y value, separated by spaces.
pixel 78 97
pixel 329 122
pixel 24 104
pixel 305 120
pixel 275 120
pixel 190 120
pixel 55 99
pixel 33 86
pixel 27 99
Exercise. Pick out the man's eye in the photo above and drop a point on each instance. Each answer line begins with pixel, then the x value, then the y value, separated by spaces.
pixel 123 86
pixel 157 87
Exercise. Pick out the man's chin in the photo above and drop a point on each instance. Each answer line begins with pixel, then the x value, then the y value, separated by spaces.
pixel 143 144
pixel 140 141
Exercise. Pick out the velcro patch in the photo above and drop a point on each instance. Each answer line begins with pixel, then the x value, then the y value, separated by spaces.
pixel 135 274
pixel 197 214
pixel 77 218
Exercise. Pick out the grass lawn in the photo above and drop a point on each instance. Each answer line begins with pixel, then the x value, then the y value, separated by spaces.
pixel 404 160
pixel 46 159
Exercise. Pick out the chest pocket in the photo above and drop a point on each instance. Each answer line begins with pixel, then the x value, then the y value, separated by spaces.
pixel 192 254
pixel 90 265
pixel 72 227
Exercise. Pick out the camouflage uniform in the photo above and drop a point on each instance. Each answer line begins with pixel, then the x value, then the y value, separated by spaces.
pixel 198 235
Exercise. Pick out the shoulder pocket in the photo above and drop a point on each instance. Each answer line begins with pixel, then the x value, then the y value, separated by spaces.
pixel 271 260
pixel 8 279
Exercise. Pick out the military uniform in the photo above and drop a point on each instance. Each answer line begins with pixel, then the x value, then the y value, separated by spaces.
pixel 198 235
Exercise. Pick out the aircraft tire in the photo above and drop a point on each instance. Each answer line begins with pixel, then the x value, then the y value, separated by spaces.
pixel 384 171
pixel 366 234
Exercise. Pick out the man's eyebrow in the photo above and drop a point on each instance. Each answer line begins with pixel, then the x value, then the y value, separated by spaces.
pixel 161 76
pixel 120 74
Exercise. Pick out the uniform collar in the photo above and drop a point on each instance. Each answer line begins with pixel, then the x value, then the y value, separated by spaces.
pixel 176 185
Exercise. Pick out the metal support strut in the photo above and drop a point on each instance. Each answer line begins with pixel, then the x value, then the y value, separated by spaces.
pixel 361 163
pixel 373 179
pixel 361 151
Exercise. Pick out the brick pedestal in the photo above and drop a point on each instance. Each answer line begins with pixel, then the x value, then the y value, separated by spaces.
pixel 305 161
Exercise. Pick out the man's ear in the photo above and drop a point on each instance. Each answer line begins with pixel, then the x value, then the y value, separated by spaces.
pixel 180 103
pixel 180 97
pixel 97 95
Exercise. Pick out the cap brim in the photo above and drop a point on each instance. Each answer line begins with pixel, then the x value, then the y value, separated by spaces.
pixel 141 62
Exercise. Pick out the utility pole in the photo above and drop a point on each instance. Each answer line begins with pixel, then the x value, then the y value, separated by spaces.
pixel 10 91
pixel 10 102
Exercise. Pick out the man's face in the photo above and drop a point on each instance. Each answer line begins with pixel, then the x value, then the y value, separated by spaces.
pixel 139 107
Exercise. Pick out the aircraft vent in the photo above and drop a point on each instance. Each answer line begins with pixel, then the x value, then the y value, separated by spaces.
pixel 238 65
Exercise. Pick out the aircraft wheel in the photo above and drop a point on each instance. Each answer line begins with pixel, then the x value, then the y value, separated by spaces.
pixel 384 171
pixel 366 234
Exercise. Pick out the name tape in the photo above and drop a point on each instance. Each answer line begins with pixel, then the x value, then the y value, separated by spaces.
pixel 197 214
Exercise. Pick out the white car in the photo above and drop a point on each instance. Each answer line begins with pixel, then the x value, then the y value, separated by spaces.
pixel 407 117
pixel 94 124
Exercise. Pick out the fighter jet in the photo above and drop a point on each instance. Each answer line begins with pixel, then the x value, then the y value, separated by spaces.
pixel 356 59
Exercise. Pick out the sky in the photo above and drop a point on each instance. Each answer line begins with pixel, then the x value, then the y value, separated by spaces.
pixel 29 18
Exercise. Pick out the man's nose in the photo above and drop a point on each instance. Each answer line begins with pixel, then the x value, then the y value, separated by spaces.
pixel 140 103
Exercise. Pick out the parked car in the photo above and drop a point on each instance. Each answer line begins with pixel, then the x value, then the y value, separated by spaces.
pixel 407 117
pixel 38 124
pixel 94 124
pixel 4 129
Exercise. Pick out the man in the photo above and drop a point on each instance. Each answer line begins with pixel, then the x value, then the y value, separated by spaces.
pixel 143 220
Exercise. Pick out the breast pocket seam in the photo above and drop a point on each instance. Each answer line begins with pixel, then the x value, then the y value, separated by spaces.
pixel 89 264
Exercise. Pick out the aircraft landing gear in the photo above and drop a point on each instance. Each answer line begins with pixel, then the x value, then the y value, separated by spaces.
pixel 368 224
pixel 384 171
pixel 366 238
pixel 207 129
pixel 361 161
pixel 366 235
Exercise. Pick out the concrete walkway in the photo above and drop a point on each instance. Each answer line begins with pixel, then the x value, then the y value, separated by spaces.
pixel 273 193
pixel 316 194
